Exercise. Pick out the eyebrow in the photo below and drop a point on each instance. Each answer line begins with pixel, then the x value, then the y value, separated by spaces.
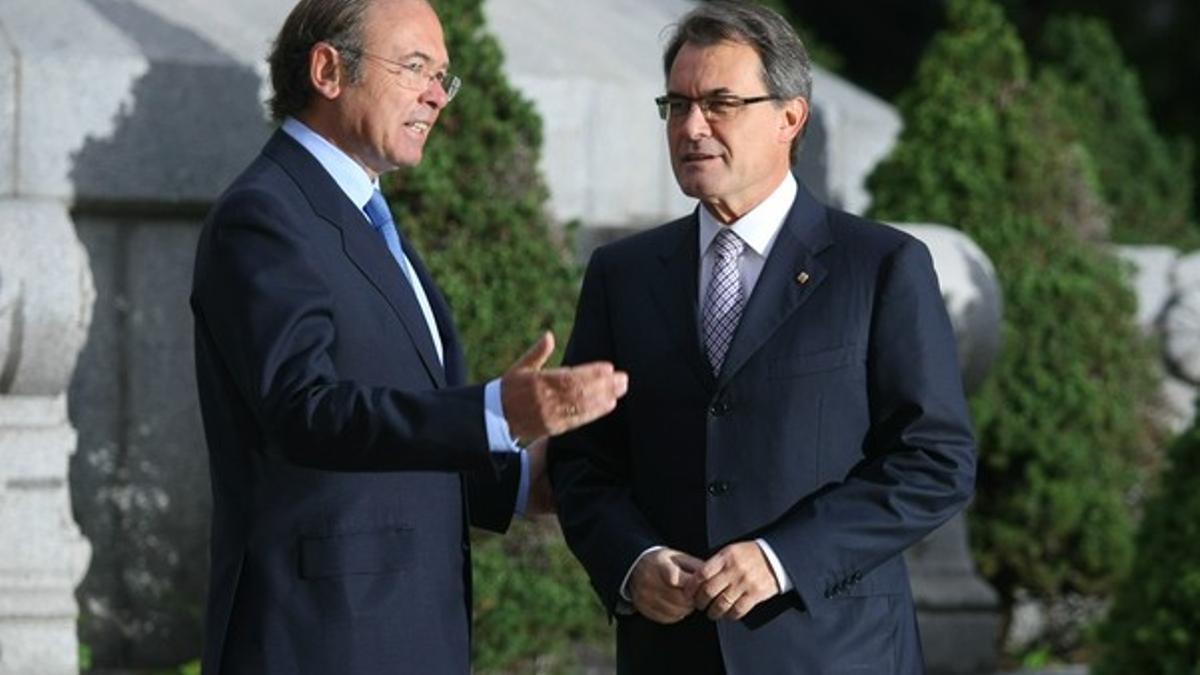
pixel 719 91
pixel 418 54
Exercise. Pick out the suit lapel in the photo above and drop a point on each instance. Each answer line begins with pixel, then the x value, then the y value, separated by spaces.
pixel 675 291
pixel 790 276
pixel 360 243
pixel 452 357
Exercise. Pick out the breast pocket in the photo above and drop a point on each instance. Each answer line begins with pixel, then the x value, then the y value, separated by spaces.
pixel 810 363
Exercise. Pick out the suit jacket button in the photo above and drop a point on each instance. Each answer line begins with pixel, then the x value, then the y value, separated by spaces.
pixel 718 488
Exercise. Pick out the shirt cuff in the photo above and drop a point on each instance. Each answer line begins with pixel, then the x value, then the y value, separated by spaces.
pixel 624 590
pixel 499 439
pixel 781 575
pixel 523 486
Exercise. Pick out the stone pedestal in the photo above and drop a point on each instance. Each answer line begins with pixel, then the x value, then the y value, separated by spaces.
pixel 956 609
pixel 45 307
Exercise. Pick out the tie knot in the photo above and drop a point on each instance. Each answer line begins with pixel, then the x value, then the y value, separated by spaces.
pixel 728 244
pixel 378 211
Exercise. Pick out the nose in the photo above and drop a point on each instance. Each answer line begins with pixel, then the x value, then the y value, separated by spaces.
pixel 435 95
pixel 694 125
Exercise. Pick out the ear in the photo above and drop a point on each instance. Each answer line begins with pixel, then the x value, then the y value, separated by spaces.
pixel 791 123
pixel 325 72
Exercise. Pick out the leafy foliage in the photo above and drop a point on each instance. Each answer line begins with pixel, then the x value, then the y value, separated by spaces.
pixel 532 603
pixel 1146 180
pixel 1155 619
pixel 1060 421
pixel 474 207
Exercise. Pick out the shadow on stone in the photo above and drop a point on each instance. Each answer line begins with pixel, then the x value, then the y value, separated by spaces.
pixel 139 480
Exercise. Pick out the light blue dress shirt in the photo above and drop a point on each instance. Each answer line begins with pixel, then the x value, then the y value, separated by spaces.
pixel 358 187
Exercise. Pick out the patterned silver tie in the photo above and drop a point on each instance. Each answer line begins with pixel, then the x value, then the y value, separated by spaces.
pixel 724 300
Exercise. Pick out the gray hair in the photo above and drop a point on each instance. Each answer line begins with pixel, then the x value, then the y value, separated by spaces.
pixel 338 22
pixel 786 73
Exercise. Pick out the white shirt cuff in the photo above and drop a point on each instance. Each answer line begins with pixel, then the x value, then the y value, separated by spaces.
pixel 624 590
pixel 781 575
pixel 498 436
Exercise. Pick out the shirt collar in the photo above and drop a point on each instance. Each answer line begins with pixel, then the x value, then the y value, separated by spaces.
pixel 760 225
pixel 349 176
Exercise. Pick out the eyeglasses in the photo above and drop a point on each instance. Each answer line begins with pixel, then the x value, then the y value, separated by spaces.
pixel 674 108
pixel 414 73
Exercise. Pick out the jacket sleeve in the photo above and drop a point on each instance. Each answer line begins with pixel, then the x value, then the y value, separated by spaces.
pixel 264 314
pixel 918 466
pixel 492 494
pixel 590 467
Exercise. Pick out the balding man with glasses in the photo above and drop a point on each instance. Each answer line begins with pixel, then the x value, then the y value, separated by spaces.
pixel 347 453
pixel 795 417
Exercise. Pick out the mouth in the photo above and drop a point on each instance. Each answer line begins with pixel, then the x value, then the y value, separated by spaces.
pixel 698 158
pixel 419 127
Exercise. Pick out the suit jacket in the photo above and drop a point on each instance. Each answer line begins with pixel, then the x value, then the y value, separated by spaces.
pixel 338 443
pixel 836 430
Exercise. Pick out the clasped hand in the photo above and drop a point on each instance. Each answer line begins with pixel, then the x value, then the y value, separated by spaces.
pixel 667 585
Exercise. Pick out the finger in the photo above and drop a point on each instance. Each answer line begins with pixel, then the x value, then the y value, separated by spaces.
pixel 714 565
pixel 620 383
pixel 687 563
pixel 743 606
pixel 674 576
pixel 721 605
pixel 536 356
pixel 709 590
pixel 673 605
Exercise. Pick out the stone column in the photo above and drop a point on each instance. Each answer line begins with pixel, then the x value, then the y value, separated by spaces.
pixel 45 307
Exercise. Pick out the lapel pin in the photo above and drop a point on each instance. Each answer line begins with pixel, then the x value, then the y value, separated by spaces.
pixel 802 278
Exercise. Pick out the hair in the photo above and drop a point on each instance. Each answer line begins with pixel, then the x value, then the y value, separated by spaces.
pixel 786 69
pixel 337 22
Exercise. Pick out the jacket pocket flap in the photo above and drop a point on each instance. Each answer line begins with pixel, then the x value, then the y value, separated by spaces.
pixel 814 362
pixel 373 552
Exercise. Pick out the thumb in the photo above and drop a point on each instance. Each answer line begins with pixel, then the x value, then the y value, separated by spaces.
pixel 674 576
pixel 536 357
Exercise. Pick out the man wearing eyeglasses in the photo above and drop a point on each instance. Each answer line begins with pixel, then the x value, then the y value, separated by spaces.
pixel 347 454
pixel 795 418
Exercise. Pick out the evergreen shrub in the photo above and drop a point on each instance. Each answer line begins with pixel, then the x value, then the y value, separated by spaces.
pixel 1146 179
pixel 476 209
pixel 1154 622
pixel 1061 420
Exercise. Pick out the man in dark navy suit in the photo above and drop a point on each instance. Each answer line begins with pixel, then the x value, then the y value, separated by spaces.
pixel 795 418
pixel 347 453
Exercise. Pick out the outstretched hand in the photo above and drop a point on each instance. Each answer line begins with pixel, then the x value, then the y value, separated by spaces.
pixel 546 402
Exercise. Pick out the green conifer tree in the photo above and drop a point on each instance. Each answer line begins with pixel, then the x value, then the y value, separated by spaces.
pixel 1155 621
pixel 1146 179
pixel 476 209
pixel 1061 419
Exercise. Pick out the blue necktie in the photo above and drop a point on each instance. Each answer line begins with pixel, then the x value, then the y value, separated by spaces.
pixel 381 219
